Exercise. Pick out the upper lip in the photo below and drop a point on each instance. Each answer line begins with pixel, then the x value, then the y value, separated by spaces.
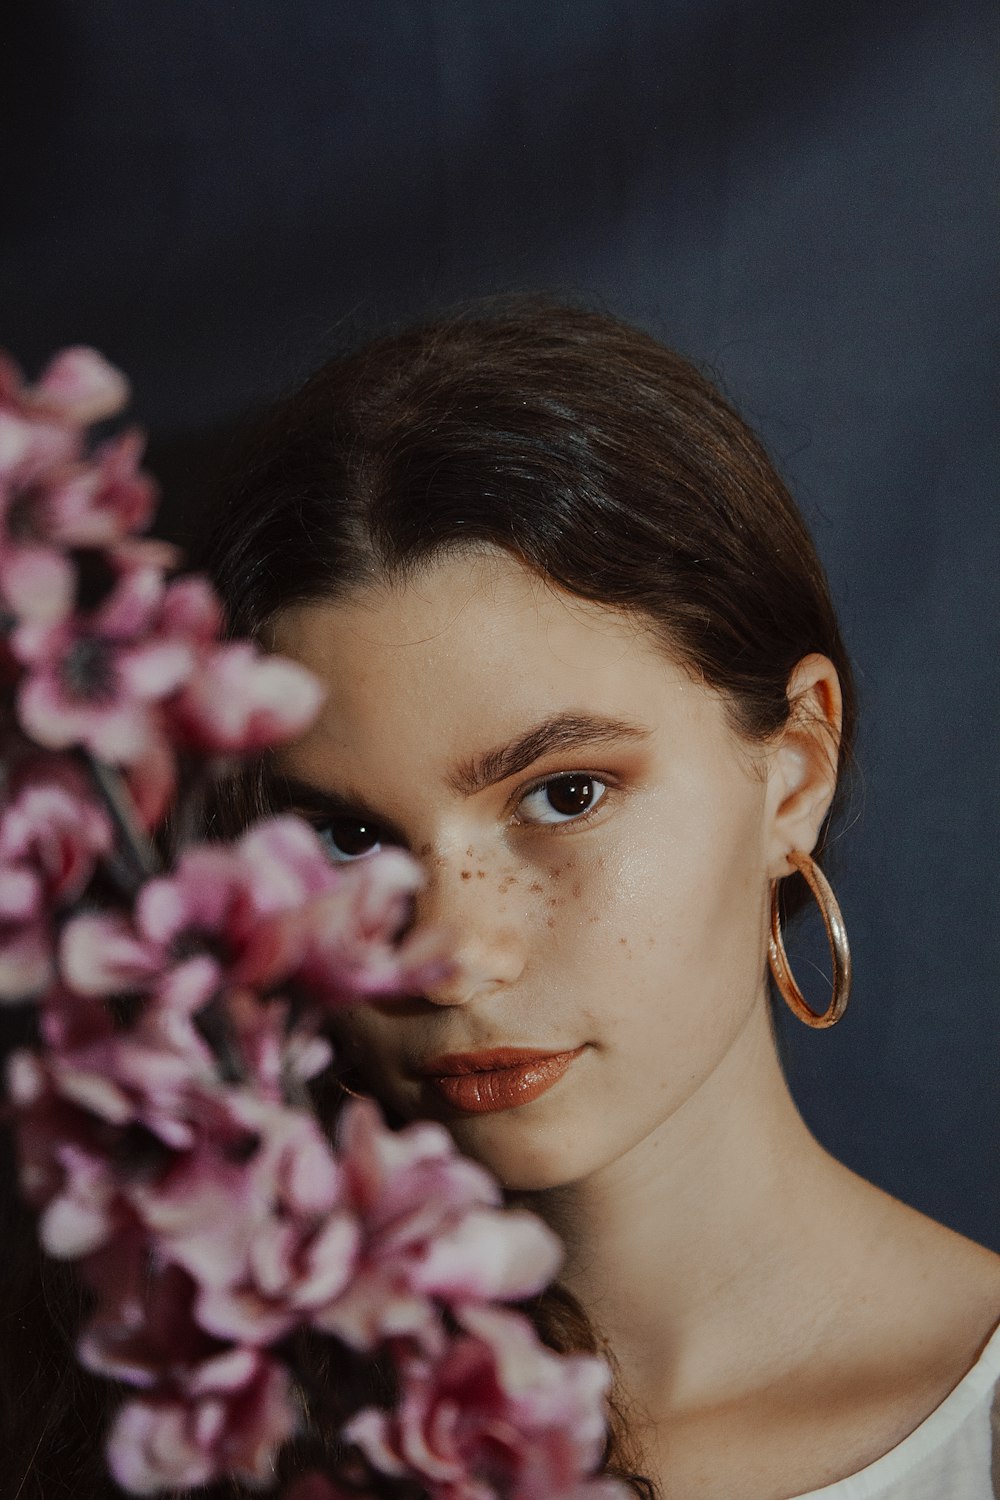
pixel 487 1061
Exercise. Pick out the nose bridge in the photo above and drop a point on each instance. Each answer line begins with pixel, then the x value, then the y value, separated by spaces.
pixel 468 896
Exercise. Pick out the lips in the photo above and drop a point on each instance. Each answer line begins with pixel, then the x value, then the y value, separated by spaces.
pixel 498 1079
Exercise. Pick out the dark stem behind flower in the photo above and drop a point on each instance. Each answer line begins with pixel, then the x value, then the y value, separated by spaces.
pixel 135 859
pixel 213 1024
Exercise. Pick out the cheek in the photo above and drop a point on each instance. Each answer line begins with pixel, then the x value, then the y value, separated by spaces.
pixel 663 930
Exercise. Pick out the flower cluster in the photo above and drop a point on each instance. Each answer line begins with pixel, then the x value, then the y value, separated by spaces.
pixel 165 1129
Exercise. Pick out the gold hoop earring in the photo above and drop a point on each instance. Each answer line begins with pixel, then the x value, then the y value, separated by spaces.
pixel 836 935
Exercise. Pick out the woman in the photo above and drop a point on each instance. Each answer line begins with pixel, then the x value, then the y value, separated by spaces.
pixel 581 659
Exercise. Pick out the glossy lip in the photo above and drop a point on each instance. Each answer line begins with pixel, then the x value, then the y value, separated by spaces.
pixel 450 1063
pixel 480 1083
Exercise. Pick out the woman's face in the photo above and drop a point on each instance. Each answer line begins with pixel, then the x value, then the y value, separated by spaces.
pixel 595 837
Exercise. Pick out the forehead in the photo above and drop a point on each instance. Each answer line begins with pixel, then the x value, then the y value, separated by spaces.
pixel 466 653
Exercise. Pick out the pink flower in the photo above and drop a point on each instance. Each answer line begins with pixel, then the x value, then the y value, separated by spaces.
pixel 206 926
pixel 26 943
pixel 52 833
pixel 266 913
pixel 77 387
pixel 239 699
pixel 238 1412
pixel 208 1409
pixel 96 680
pixel 55 824
pixel 284 1231
pixel 432 1233
pixel 152 1074
pixel 496 1416
pixel 50 496
pixel 352 942
pixel 65 1169
pixel 40 427
pixel 98 503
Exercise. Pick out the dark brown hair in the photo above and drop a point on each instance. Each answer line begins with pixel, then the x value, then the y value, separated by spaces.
pixel 588 451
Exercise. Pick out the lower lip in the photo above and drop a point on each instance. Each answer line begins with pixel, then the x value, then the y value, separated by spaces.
pixel 503 1088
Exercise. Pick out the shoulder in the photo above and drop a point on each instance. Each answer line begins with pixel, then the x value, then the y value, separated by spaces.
pixel 913 1356
pixel 928 1298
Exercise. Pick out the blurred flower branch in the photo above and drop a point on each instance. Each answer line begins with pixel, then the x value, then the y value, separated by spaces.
pixel 164 1126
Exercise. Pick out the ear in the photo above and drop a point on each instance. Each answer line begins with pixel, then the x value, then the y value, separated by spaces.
pixel 802 762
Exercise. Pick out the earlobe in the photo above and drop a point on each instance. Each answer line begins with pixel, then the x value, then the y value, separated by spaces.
pixel 803 772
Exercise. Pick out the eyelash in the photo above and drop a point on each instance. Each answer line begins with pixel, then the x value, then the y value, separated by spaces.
pixel 571 821
pixel 325 826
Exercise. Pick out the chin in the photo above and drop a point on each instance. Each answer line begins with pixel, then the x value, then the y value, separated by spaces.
pixel 529 1164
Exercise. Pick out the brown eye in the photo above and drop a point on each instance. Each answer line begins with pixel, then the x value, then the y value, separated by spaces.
pixel 562 799
pixel 348 838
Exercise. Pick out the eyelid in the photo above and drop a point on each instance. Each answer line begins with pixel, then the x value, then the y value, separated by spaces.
pixel 603 778
pixel 319 811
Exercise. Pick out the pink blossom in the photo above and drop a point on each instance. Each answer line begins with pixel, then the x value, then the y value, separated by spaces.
pixel 144 1334
pixel 89 503
pixel 152 1074
pixel 52 832
pixel 37 582
pixel 55 824
pixel 64 1166
pixel 239 1413
pixel 100 502
pixel 208 1409
pixel 26 943
pixel 78 386
pixel 265 913
pixel 239 699
pixel 31 448
pixel 496 1416
pixel 275 1171
pixel 432 1232
pixel 32 440
pixel 206 925
pixel 96 680
pixel 51 497
pixel 352 941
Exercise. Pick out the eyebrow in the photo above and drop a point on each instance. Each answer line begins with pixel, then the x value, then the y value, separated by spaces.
pixel 559 732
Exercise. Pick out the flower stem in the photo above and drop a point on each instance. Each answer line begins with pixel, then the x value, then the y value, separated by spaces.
pixel 138 851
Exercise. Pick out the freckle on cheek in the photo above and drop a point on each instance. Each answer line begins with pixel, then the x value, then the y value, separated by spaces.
pixel 551 922
pixel 466 874
pixel 480 874
pixel 578 890
pixel 536 889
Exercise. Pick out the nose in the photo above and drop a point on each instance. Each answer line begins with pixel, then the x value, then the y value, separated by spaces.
pixel 487 936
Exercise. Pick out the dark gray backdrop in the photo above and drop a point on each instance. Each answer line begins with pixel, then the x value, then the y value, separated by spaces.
pixel 800 196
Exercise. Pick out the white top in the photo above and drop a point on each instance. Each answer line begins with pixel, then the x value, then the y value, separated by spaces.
pixel 953 1455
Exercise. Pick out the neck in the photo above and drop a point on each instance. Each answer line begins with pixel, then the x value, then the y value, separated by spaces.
pixel 701 1255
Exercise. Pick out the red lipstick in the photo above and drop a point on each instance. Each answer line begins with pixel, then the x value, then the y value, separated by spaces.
pixel 480 1083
